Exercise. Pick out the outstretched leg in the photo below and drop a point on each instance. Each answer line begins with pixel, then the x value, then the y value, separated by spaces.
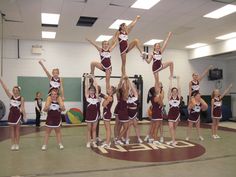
pixel 94 65
pixel 134 43
pixel 170 65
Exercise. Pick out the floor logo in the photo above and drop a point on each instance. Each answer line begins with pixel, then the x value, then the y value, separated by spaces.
pixel 148 152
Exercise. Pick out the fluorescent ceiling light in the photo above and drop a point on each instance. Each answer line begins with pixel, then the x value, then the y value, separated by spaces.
pixel 196 45
pixel 48 34
pixel 227 36
pixel 153 41
pixel 117 23
pixel 221 12
pixel 144 4
pixel 103 38
pixel 52 19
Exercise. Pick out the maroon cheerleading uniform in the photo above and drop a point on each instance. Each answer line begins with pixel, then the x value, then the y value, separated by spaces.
pixel 92 112
pixel 54 84
pixel 105 59
pixel 217 112
pixel 156 110
pixel 174 114
pixel 132 106
pixel 157 64
pixel 123 42
pixel 14 114
pixel 116 108
pixel 54 115
pixel 195 87
pixel 194 113
pixel 123 111
pixel 107 111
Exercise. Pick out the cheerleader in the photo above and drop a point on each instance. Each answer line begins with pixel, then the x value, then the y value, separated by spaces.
pixel 156 121
pixel 107 104
pixel 194 83
pixel 17 111
pixel 216 112
pixel 55 82
pixel 133 113
pixel 196 105
pixel 174 95
pixel 156 57
pixel 151 93
pixel 123 93
pixel 53 121
pixel 92 112
pixel 122 36
pixel 105 64
pixel 38 108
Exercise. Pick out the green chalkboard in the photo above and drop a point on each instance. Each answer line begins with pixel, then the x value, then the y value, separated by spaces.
pixel 30 85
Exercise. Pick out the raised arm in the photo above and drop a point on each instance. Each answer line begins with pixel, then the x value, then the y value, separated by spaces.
pixel 149 59
pixel 134 90
pixel 226 90
pixel 62 90
pixel 94 44
pixel 95 85
pixel 113 45
pixel 132 24
pixel 5 89
pixel 178 86
pixel 205 73
pixel 86 94
pixel 170 87
pixel 204 105
pixel 45 70
pixel 166 42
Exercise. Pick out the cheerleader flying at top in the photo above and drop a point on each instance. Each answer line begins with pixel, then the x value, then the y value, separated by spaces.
pixel 174 95
pixel 156 57
pixel 216 109
pixel 53 121
pixel 122 36
pixel 105 64
pixel 17 110
pixel 55 82
pixel 194 83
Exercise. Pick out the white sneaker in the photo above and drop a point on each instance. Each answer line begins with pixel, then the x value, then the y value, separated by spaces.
pixel 201 138
pixel 13 147
pixel 61 146
pixel 44 147
pixel 156 142
pixel 217 136
pixel 146 138
pixel 174 143
pixel 162 139
pixel 88 145
pixel 94 144
pixel 123 139
pixel 187 138
pixel 169 142
pixel 127 142
pixel 105 145
pixel 17 147
pixel 150 140
pixel 140 141
pixel 119 142
pixel 214 136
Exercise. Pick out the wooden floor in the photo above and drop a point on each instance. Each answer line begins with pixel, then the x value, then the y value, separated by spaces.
pixel 217 157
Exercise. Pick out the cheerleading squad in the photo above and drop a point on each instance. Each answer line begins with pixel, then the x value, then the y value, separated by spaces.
pixel 126 93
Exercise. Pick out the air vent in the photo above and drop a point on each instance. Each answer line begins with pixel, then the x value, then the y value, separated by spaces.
pixel 86 21
pixel 49 25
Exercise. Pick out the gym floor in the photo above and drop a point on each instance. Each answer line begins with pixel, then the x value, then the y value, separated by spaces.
pixel 76 160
